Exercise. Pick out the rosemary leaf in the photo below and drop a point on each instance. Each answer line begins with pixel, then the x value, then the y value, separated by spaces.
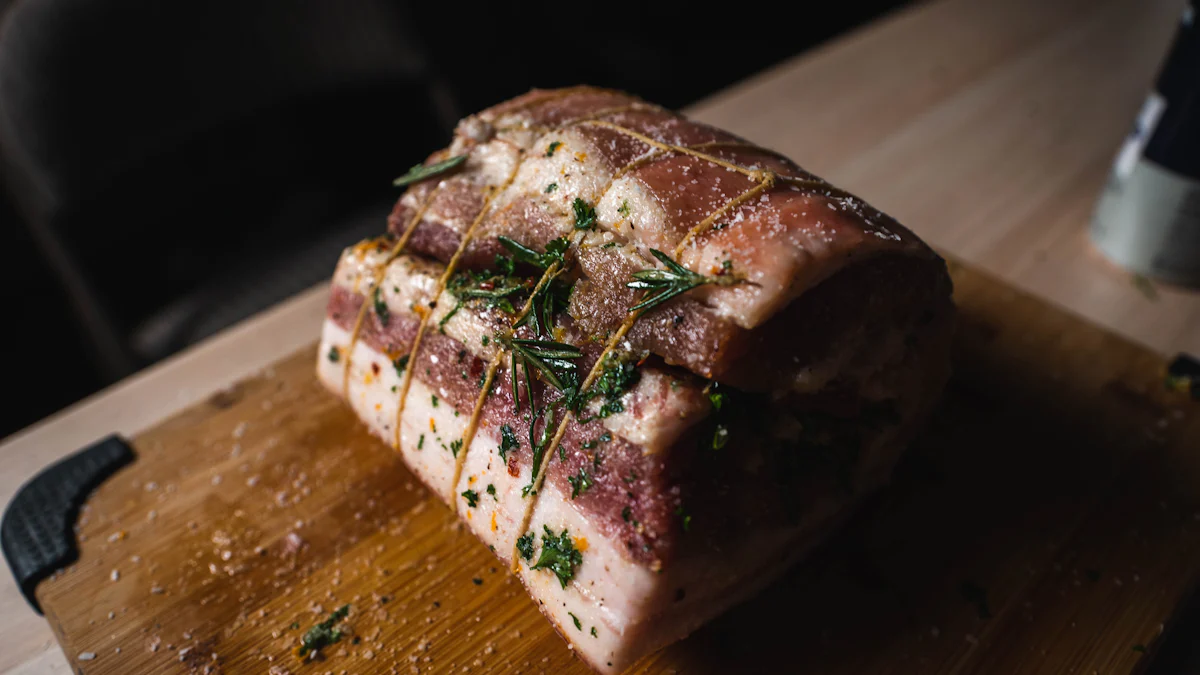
pixel 421 172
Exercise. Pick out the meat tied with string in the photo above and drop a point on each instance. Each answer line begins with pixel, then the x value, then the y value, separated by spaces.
pixel 647 362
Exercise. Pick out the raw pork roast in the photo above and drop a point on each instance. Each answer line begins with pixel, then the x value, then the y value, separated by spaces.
pixel 647 362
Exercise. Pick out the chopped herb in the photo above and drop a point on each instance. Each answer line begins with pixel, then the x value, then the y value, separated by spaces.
pixel 525 545
pixel 455 446
pixel 477 581
pixel 421 172
pixel 434 399
pixel 323 634
pixel 334 355
pixel 717 399
pixel 611 244
pixel 618 376
pixel 508 441
pixel 558 555
pixel 394 388
pixel 579 483
pixel 596 460
pixel 505 264
pixel 491 490
pixel 625 513
pixel 539 445
pixel 630 478
pixel 551 188
pixel 400 364
pixel 578 626
pixel 663 284
pixel 594 632
pixel 472 498
pixel 485 340
pixel 551 359
pixel 685 519
pixel 295 625
pixel 553 146
pixel 1145 287
pixel 421 442
pixel 624 208
pixel 720 437
pixel 975 595
pixel 605 437
pixel 726 265
pixel 585 215
pixel 381 308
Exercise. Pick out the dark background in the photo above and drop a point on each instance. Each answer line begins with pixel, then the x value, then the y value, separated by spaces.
pixel 173 167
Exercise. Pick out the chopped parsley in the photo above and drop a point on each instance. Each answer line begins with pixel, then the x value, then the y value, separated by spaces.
pixel 525 546
pixel 553 146
pixel 626 513
pixel 594 632
pixel 421 442
pixel 684 518
pixel 435 401
pixel 334 355
pixel 624 208
pixel 611 244
pixel 726 265
pixel 578 626
pixel 508 441
pixel 485 340
pixel 720 437
pixel 551 188
pixel 400 364
pixel 381 308
pixel 491 490
pixel 455 446
pixel 472 498
pixel 323 634
pixel 477 581
pixel 585 215
pixel 579 483
pixel 718 400
pixel 558 555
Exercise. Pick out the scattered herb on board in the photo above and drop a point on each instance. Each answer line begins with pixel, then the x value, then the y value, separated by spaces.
pixel 491 490
pixel 663 284
pixel 525 545
pixel 579 483
pixel 508 441
pixel 977 596
pixel 1145 287
pixel 684 518
pixel 455 446
pixel 421 172
pixel 552 147
pixel 551 188
pixel 334 355
pixel 323 634
pixel 585 215
pixel 623 209
pixel 558 555
pixel 594 634
pixel 381 308
pixel 720 437
pixel 472 498
pixel 575 619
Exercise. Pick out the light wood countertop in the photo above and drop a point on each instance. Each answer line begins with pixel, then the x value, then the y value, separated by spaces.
pixel 987 126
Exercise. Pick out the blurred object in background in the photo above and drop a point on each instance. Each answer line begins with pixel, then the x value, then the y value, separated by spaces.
pixel 1148 218
pixel 174 167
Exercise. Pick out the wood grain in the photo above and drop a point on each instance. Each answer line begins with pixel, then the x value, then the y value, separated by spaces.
pixel 1058 486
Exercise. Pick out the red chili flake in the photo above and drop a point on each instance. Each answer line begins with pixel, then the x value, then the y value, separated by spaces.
pixel 374 368
pixel 487 285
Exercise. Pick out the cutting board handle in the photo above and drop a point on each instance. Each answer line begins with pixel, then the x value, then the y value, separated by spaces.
pixel 37 531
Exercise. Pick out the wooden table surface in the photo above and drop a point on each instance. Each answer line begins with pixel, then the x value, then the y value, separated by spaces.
pixel 987 126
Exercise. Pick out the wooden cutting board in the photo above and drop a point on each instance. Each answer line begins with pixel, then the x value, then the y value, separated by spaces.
pixel 1047 522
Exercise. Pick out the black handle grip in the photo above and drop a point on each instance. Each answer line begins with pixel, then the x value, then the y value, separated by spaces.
pixel 37 531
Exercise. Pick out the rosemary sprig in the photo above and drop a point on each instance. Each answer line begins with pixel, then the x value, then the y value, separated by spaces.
pixel 556 250
pixel 421 172
pixel 551 359
pixel 539 443
pixel 663 284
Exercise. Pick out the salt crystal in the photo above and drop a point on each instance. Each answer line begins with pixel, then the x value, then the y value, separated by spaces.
pixel 216 479
pixel 86 656
pixel 239 430
pixel 114 575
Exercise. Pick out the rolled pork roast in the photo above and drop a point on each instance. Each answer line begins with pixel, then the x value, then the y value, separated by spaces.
pixel 647 362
